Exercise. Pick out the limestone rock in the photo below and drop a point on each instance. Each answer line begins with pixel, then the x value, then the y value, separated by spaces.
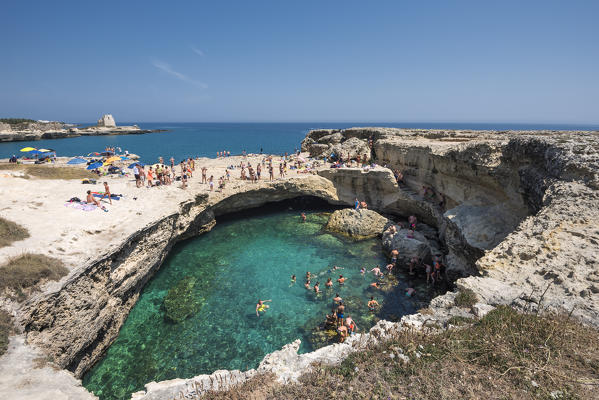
pixel 352 146
pixel 417 246
pixel 5 127
pixel 357 224
pixel 107 121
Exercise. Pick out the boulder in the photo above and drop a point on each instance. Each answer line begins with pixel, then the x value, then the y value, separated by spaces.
pixel 417 246
pixel 353 147
pixel 357 224
pixel 107 121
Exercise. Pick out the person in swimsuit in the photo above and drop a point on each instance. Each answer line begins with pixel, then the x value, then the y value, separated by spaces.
pixel 307 284
pixel 340 316
pixel 342 333
pixel 204 169
pixel 303 217
pixel 293 278
pixel 375 285
pixel 351 324
pixel 372 304
pixel 329 283
pixel 92 200
pixel 410 292
pixel 390 267
pixel 341 280
pixel 357 204
pixel 316 288
pixel 337 298
pixel 394 254
pixel 106 193
pixel 429 273
pixel 261 307
pixel 376 270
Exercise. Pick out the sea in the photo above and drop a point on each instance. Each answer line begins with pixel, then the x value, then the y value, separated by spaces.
pixel 192 139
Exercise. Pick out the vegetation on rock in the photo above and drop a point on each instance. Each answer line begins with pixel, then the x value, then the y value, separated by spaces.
pixel 5 330
pixel 15 121
pixel 466 298
pixel 11 232
pixel 27 270
pixel 505 355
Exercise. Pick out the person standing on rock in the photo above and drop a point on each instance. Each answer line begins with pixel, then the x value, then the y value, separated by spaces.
pixel 357 204
pixel 136 174
pixel 204 169
pixel 394 254
pixel 429 273
pixel 340 316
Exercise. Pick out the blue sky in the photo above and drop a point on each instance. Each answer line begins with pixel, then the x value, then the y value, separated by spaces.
pixel 394 61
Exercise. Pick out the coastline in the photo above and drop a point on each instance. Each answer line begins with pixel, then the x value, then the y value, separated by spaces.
pixel 21 136
pixel 545 169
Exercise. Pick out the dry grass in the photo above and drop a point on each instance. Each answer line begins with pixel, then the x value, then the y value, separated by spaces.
pixel 5 330
pixel 505 355
pixel 11 232
pixel 27 270
pixel 465 298
pixel 48 171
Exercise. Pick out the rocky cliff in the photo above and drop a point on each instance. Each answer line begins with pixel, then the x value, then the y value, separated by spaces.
pixel 516 214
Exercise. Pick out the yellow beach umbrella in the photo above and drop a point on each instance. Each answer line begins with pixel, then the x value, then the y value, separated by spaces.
pixel 28 149
pixel 112 159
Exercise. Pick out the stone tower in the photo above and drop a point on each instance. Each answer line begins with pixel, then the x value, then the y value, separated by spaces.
pixel 107 121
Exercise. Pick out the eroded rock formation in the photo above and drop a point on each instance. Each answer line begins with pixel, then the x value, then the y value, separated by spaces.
pixel 357 224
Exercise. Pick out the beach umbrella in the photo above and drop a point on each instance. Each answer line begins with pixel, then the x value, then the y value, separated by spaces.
pixel 28 149
pixel 77 161
pixel 124 158
pixel 46 150
pixel 138 164
pixel 95 153
pixel 112 159
pixel 94 165
pixel 35 152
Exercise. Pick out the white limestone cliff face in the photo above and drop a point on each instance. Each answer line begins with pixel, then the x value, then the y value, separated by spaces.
pixel 107 121
pixel 357 224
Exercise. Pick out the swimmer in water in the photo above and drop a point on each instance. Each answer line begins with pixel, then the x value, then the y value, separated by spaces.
pixel 261 307
pixel 372 304
pixel 316 288
pixel 376 270
pixel 375 285
pixel 390 267
pixel 341 280
pixel 303 217
pixel 308 275
pixel 337 298
pixel 293 278
pixel 335 268
pixel 329 283
pixel 410 292
pixel 351 324
pixel 363 270
pixel 307 284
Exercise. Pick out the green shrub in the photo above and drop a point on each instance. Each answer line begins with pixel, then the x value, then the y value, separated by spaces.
pixel 465 298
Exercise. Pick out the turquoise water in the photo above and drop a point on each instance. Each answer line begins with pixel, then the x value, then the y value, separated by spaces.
pixel 205 139
pixel 234 265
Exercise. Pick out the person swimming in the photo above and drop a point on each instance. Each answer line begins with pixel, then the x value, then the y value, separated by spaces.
pixel 261 307
pixel 307 284
pixel 316 288
pixel 329 283
pixel 337 298
pixel 372 304
pixel 376 270
pixel 375 285
pixel 341 280
pixel 303 217
pixel 410 292
pixel 363 270
pixel 293 278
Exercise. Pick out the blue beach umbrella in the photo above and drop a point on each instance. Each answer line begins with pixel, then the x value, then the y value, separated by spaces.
pixel 136 163
pixel 77 161
pixel 124 158
pixel 94 165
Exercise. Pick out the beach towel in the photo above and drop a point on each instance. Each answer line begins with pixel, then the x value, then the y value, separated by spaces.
pixel 112 196
pixel 81 206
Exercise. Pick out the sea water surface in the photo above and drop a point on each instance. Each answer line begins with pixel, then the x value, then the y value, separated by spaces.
pixel 234 265
pixel 204 139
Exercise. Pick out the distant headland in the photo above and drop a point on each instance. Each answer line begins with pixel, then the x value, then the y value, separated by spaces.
pixel 19 129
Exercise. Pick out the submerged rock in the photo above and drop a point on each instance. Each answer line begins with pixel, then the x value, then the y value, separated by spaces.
pixel 357 224
pixel 181 300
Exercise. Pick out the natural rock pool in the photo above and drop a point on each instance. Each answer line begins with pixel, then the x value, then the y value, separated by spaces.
pixel 216 279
